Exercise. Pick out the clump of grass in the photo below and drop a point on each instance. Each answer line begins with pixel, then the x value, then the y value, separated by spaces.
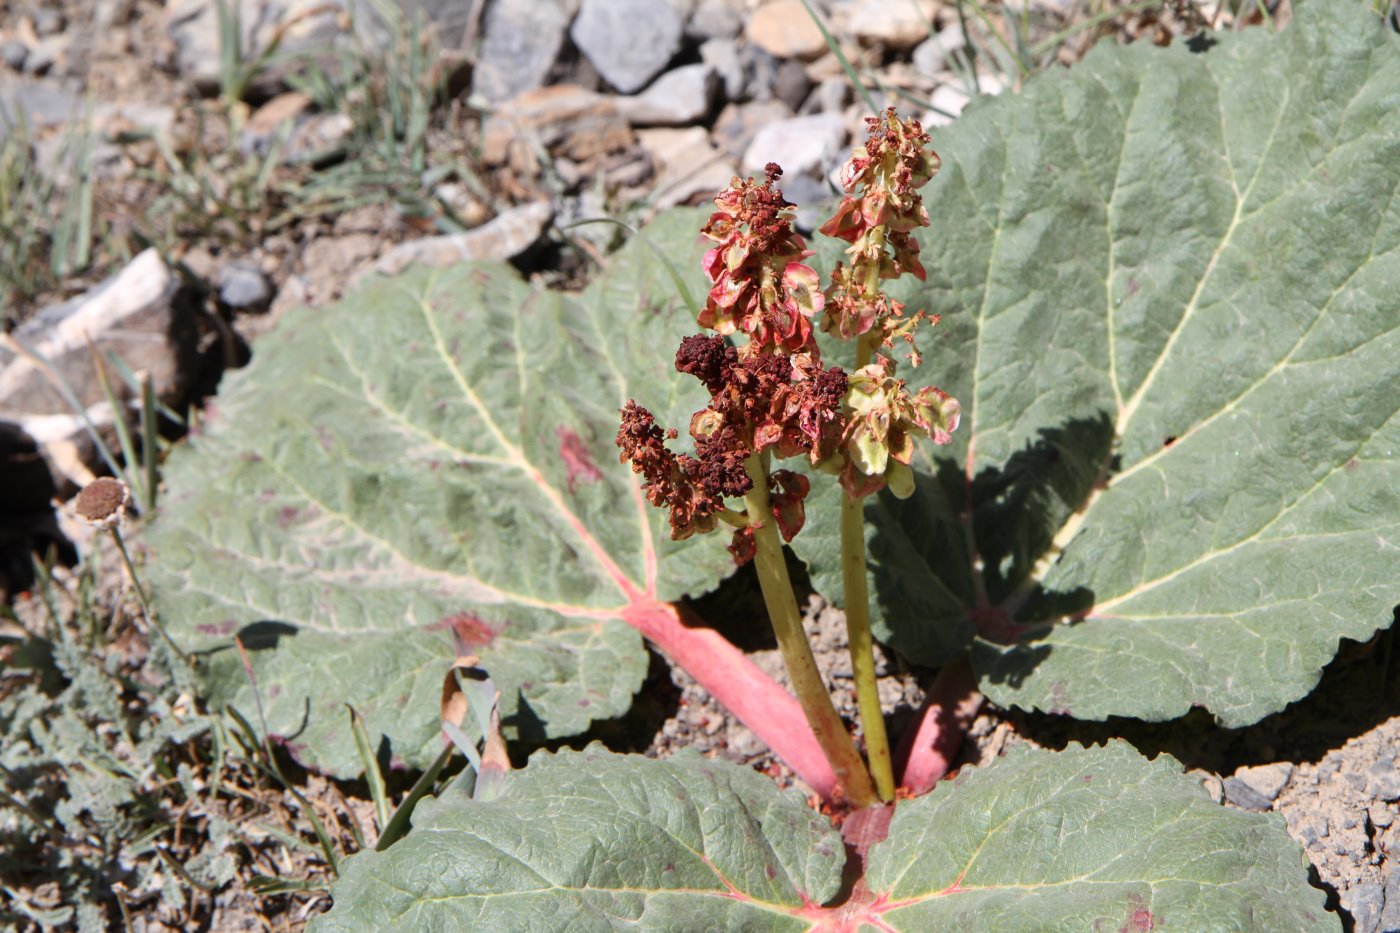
pixel 47 228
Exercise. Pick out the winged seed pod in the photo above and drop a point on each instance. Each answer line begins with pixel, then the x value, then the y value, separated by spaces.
pixel 885 419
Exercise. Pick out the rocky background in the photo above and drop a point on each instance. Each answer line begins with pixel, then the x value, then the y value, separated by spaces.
pixel 174 174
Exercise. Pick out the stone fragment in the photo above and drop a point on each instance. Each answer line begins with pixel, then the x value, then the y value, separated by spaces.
pixel 294 25
pixel 244 288
pixel 1383 778
pixel 522 42
pixel 831 96
pixel 738 124
pixel 48 20
pixel 41 103
pixel 1266 780
pixel 716 19
pixel 507 236
pixel 791 84
pixel 320 136
pixel 1366 904
pixel 891 25
pixel 1390 913
pixel 810 145
pixel 563 118
pixel 784 29
pixel 270 119
pixel 931 56
pixel 628 41
pixel 1245 797
pixel 680 96
pixel 134 314
pixel 723 56
pixel 947 102
pixel 689 168
pixel 13 52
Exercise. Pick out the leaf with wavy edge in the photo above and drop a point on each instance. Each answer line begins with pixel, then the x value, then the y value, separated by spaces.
pixel 434 456
pixel 1086 839
pixel 1167 283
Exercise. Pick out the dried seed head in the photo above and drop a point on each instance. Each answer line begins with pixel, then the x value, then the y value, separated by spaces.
pixel 103 502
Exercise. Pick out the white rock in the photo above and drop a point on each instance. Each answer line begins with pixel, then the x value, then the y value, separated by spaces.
pixel 133 315
pixel 948 102
pixel 680 96
pixel 931 55
pixel 723 56
pixel 507 236
pixel 802 145
pixel 689 167
pixel 887 23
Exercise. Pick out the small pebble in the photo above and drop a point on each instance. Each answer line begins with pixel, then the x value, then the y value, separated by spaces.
pixel 243 287
pixel 13 52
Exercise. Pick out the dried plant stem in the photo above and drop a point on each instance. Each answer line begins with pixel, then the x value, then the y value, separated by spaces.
pixel 812 694
pixel 141 596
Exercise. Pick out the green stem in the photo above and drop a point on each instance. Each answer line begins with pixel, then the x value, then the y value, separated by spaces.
pixel 877 743
pixel 143 600
pixel 856 589
pixel 807 682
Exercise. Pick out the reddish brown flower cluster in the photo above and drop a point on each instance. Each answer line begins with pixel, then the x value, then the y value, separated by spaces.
pixel 889 169
pixel 881 208
pixel 758 402
pixel 760 285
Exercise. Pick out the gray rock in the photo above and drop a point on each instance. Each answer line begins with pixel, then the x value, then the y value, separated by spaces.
pixel 135 314
pixel 569 121
pixel 243 287
pixel 1245 797
pixel 716 19
pixel 1266 780
pixel 523 39
pixel 680 96
pixel 296 26
pixel 1383 778
pixel 1366 904
pixel 13 52
pixel 42 58
pixel 507 236
pixel 319 137
pixel 831 96
pixel 810 146
pixel 791 84
pixel 738 124
pixel 48 21
pixel 931 55
pixel 723 56
pixel 1390 915
pixel 628 41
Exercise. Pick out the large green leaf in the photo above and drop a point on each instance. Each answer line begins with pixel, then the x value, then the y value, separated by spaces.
pixel 1087 839
pixel 1170 294
pixel 435 453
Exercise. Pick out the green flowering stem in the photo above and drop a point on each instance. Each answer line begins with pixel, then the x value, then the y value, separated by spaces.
pixel 855 587
pixel 812 694
pixel 853 578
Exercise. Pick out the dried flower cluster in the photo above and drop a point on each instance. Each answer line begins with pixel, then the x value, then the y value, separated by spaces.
pixel 760 285
pixel 772 398
pixel 877 216
pixel 759 402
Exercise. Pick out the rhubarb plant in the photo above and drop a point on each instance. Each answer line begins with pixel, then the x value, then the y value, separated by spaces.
pixel 1164 290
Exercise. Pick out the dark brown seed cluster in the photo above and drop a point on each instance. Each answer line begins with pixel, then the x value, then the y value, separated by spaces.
pixel 758 401
pixel 103 501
